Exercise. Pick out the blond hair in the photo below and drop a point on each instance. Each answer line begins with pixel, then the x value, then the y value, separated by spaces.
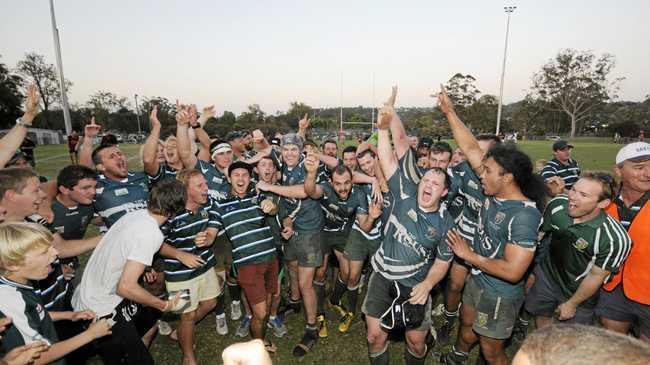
pixel 185 175
pixel 18 238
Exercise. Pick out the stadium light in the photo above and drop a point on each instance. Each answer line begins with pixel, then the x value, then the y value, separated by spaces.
pixel 509 10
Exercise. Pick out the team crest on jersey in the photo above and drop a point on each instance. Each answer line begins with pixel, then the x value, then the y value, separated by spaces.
pixel 499 217
pixel 333 206
pixel 255 200
pixel 581 244
pixel 60 229
pixel 204 214
pixel 84 220
pixel 431 233
pixel 413 215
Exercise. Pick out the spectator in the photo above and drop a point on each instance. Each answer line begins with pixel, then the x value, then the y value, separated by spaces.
pixel 562 165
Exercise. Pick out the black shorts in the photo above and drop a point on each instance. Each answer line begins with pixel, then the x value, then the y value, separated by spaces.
pixel 616 306
pixel 124 345
pixel 544 297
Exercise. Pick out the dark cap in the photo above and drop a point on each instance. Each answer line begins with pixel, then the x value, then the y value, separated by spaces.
pixel 240 165
pixel 561 144
pixel 425 142
pixel 234 135
pixel 275 142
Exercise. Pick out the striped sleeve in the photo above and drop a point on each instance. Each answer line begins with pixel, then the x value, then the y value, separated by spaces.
pixel 214 218
pixel 13 305
pixel 549 170
pixel 613 245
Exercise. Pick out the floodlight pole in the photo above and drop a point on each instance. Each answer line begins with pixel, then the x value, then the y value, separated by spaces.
pixel 508 10
pixel 59 63
pixel 137 114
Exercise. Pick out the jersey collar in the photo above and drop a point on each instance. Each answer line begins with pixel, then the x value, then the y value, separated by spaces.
pixel 6 281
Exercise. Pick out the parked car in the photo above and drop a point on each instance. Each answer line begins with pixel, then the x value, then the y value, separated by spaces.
pixel 553 138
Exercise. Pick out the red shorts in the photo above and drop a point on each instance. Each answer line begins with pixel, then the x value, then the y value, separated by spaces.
pixel 258 280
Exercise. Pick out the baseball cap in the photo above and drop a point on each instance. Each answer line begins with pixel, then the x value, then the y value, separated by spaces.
pixel 636 152
pixel 425 142
pixel 240 165
pixel 561 144
pixel 292 138
pixel 234 135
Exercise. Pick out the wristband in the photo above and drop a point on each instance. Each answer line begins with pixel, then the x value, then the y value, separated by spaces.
pixel 20 122
pixel 196 126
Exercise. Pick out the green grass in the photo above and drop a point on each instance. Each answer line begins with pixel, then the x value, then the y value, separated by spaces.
pixel 337 348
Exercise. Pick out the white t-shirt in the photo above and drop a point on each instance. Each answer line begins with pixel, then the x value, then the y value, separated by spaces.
pixel 136 237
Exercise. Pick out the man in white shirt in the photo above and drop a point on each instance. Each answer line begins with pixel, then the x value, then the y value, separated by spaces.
pixel 110 287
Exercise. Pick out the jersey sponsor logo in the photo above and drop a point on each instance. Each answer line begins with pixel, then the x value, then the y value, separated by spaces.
pixel 581 244
pixel 99 191
pixel 70 214
pixel 413 215
pixel 120 192
pixel 217 180
pixel 404 237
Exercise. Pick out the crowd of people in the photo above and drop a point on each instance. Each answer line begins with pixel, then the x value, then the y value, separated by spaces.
pixel 289 226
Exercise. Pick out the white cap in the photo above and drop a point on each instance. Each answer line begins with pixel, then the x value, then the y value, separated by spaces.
pixel 633 151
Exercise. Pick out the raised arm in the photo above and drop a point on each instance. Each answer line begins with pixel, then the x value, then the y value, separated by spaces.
pixel 149 160
pixel 312 189
pixel 303 125
pixel 293 191
pixel 90 132
pixel 397 131
pixel 387 159
pixel 182 137
pixel 14 138
pixel 463 136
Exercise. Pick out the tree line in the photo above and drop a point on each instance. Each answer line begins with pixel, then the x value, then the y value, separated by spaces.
pixel 573 93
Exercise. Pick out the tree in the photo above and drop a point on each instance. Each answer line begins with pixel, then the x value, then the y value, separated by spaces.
pixel 34 68
pixel 10 97
pixel 576 83
pixel 107 101
pixel 480 114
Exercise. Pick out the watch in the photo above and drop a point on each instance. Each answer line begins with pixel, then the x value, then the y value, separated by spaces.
pixel 20 122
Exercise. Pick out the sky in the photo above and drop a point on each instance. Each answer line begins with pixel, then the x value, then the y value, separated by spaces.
pixel 236 53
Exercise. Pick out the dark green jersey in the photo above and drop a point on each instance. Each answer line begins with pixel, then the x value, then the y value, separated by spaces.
pixel 339 214
pixel 469 187
pixel 569 172
pixel 245 225
pixel 454 201
pixel 180 232
pixel 71 222
pixel 218 185
pixel 412 237
pixel 501 223
pixel 30 320
pixel 273 221
pixel 306 213
pixel 164 172
pixel 375 232
pixel 576 247
pixel 53 290
pixel 115 198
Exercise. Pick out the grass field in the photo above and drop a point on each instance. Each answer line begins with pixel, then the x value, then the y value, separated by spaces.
pixel 337 348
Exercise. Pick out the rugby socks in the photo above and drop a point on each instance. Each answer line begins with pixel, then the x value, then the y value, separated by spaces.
pixel 450 316
pixel 235 292
pixel 411 359
pixel 221 305
pixel 339 289
pixel 319 288
pixel 353 296
pixel 380 357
